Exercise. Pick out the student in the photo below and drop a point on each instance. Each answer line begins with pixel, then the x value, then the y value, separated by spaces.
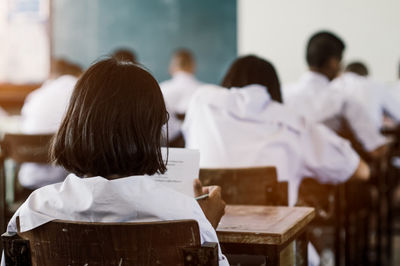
pixel 245 124
pixel 110 141
pixel 312 97
pixel 42 113
pixel 179 90
pixel 125 54
pixel 358 68
pixel 374 96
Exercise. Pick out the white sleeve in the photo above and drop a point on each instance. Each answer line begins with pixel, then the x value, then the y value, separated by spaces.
pixel 207 233
pixel 390 103
pixel 326 156
pixel 362 125
pixel 3 263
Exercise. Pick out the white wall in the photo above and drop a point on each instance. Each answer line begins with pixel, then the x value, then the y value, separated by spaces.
pixel 279 29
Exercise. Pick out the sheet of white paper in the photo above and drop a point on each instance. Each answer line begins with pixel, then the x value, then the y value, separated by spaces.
pixel 182 169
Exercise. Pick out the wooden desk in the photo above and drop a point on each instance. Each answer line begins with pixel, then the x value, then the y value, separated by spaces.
pixel 12 96
pixel 266 230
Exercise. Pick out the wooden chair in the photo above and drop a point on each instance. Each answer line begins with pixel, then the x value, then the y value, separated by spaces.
pixel 326 199
pixel 20 148
pixel 352 209
pixel 82 243
pixel 342 217
pixel 248 186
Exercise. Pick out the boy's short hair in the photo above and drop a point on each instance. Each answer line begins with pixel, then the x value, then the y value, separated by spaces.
pixel 251 69
pixel 358 68
pixel 322 46
pixel 183 59
pixel 113 125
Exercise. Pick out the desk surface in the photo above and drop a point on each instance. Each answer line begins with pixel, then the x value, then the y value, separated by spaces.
pixel 270 225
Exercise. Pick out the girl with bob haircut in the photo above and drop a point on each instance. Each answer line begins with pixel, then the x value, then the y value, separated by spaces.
pixel 246 116
pixel 251 69
pixel 110 141
pixel 245 124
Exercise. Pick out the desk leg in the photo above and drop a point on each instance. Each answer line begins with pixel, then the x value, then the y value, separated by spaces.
pixel 273 256
pixel 302 250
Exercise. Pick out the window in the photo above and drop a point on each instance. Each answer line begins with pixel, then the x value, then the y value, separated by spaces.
pixel 24 41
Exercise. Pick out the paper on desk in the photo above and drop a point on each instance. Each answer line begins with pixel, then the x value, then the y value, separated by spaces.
pixel 182 169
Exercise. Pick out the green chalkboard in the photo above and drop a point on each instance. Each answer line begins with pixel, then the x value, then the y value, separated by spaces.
pixel 85 30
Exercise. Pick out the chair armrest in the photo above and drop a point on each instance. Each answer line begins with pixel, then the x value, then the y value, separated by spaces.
pixel 207 254
pixel 16 250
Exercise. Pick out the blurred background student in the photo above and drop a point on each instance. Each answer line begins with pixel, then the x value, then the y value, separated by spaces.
pixel 179 90
pixel 312 97
pixel 42 113
pixel 244 124
pixel 374 96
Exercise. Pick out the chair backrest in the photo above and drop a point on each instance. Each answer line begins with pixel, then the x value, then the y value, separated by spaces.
pixel 247 186
pixel 26 148
pixel 143 243
pixel 20 148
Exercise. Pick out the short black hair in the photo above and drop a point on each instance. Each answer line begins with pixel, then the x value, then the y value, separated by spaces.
pixel 358 68
pixel 322 46
pixel 113 125
pixel 251 69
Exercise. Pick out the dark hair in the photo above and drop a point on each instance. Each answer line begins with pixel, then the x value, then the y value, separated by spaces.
pixel 253 70
pixel 358 68
pixel 125 54
pixel 322 46
pixel 183 58
pixel 113 125
pixel 61 66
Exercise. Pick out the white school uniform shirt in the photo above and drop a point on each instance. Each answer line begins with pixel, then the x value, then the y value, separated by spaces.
pixel 177 93
pixel 243 127
pixel 179 90
pixel 96 199
pixel 42 113
pixel 314 99
pixel 374 96
pixel 395 90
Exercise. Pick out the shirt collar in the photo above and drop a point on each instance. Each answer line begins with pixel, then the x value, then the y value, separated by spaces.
pixel 315 77
pixel 183 74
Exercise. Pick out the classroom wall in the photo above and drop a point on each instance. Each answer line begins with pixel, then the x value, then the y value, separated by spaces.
pixel 83 30
pixel 279 30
